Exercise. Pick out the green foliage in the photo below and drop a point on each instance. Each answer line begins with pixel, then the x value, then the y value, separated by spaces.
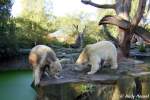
pixel 33 29
pixel 147 27
pixel 104 12
pixel 89 40
pixel 5 7
pixel 34 23
pixel 112 29
pixel 60 44
pixel 66 23
pixel 134 8
pixel 8 41
pixel 142 48
pixel 92 29
pixel 30 33
pixel 87 88
pixel 92 33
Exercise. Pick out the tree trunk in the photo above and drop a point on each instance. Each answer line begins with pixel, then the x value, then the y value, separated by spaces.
pixel 126 25
pixel 124 42
pixel 126 35
pixel 123 8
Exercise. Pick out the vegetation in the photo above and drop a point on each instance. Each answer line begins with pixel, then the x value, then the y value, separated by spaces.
pixel 37 21
pixel 30 29
pixel 8 39
pixel 142 48
pixel 126 20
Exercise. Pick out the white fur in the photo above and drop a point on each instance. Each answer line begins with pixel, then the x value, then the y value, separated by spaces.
pixel 36 76
pixel 45 56
pixel 94 53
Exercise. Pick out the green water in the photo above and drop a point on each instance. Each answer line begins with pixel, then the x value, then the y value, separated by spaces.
pixel 15 85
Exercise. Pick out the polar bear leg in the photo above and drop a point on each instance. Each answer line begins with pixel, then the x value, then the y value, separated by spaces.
pixel 37 75
pixel 37 72
pixel 114 64
pixel 94 61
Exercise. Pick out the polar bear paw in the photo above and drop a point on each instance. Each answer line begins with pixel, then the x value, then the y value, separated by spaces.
pixel 36 82
pixel 91 72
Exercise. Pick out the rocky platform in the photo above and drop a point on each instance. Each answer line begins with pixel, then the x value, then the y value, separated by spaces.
pixel 127 67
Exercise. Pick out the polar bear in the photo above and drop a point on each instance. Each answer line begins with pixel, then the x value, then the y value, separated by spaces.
pixel 93 54
pixel 41 56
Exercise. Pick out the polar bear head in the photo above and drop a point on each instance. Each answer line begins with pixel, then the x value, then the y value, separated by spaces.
pixel 82 60
pixel 83 57
pixel 55 68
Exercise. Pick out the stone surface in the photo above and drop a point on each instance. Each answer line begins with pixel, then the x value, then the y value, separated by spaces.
pixel 136 53
pixel 127 67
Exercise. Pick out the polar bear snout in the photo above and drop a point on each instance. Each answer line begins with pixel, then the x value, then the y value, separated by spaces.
pixel 55 68
pixel 81 61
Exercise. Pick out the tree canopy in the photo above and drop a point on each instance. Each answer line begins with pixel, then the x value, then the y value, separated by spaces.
pixel 7 30
pixel 37 20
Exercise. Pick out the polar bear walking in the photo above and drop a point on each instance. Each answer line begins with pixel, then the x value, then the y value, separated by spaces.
pixel 93 54
pixel 41 56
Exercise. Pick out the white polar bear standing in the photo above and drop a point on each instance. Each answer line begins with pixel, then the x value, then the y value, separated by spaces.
pixel 39 57
pixel 93 54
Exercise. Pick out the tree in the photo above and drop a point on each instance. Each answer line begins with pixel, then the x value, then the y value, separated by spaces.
pixel 7 30
pixel 127 25
pixel 81 20
pixel 34 22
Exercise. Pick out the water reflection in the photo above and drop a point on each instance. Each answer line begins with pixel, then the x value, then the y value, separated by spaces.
pixel 126 88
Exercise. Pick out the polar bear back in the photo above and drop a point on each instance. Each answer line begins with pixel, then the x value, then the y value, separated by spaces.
pixel 39 50
pixel 103 49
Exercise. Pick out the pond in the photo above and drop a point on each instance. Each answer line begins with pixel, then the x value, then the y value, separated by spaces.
pixel 16 85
